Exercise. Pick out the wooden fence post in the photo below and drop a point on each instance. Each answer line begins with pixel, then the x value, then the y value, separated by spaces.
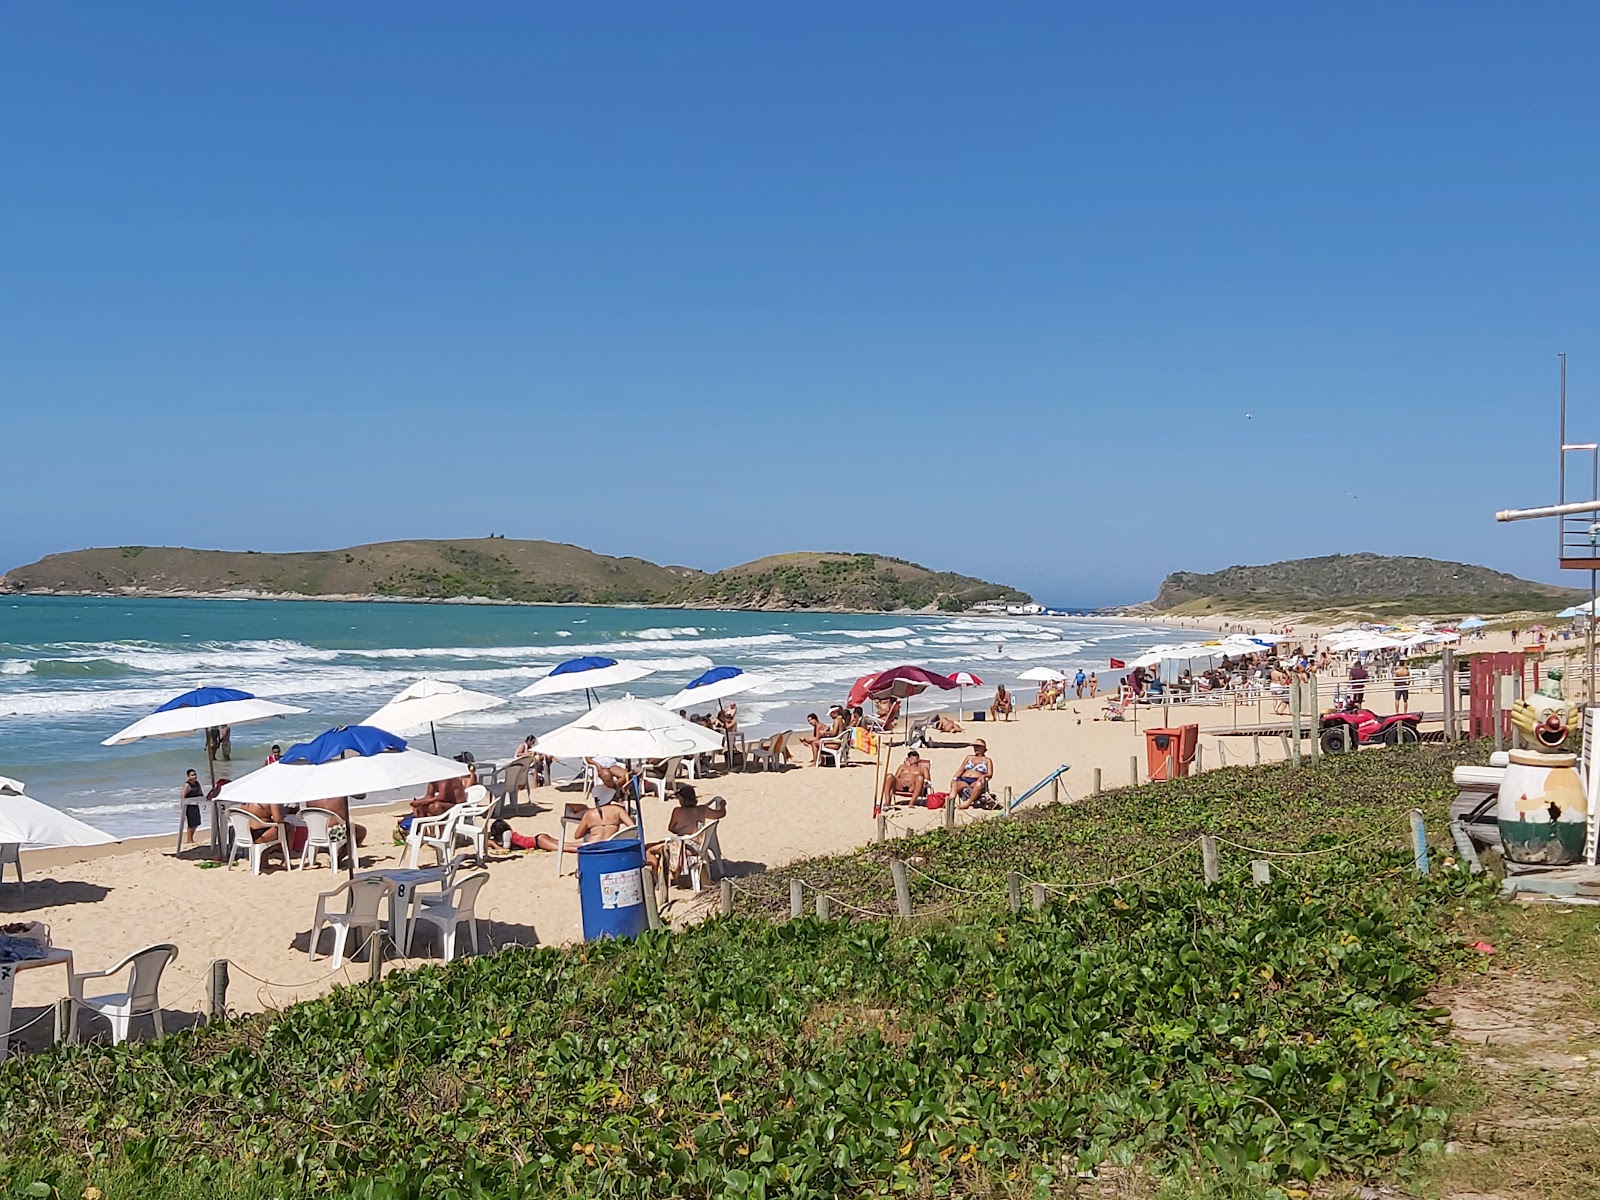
pixel 1255 742
pixel 217 991
pixel 1260 872
pixel 1038 897
pixel 1096 791
pixel 1133 770
pixel 726 898
pixel 1199 757
pixel 1055 790
pixel 950 811
pixel 883 828
pixel 1447 684
pixel 1014 891
pixel 1294 715
pixel 902 888
pixel 652 902
pixel 1006 810
pixel 824 907
pixel 1419 841
pixel 797 899
pixel 1208 858
pixel 63 1020
pixel 375 955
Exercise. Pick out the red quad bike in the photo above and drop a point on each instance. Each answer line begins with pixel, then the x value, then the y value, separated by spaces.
pixel 1363 727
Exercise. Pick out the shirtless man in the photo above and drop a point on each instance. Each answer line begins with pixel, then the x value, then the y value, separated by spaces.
pixel 909 781
pixel 442 795
pixel 685 820
pixel 1002 704
pixel 265 820
pixel 971 783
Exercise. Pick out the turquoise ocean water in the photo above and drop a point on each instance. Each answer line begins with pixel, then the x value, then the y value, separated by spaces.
pixel 73 671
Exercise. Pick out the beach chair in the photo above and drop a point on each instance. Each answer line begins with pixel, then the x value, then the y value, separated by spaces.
pixel 241 837
pixel 768 753
pixel 319 825
pixel 837 749
pixel 668 776
pixel 442 833
pixel 144 969
pixel 11 852
pixel 362 898
pixel 570 817
pixel 447 910
pixel 696 854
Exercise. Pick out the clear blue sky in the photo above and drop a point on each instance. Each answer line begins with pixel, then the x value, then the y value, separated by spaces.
pixel 988 287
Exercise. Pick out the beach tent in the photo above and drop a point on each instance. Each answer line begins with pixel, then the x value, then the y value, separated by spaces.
pixel 584 675
pixel 25 821
pixel 1577 610
pixel 715 684
pixel 1472 623
pixel 427 702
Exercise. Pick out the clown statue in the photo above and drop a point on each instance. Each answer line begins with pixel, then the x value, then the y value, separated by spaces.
pixel 1544 814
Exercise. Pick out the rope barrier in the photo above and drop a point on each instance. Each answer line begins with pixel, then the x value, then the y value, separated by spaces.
pixel 1068 889
pixel 949 887
pixel 843 903
pixel 1301 853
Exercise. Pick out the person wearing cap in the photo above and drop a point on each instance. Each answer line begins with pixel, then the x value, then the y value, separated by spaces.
pixel 971 785
pixel 909 782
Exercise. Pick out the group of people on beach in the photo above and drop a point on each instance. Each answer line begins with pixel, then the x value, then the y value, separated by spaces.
pixel 911 783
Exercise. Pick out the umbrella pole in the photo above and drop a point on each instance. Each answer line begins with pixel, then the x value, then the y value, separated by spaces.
pixel 434 734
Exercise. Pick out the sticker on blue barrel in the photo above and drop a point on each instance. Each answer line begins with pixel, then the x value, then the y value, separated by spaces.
pixel 621 889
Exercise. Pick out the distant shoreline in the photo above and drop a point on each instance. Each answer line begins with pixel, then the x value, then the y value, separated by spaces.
pixel 491 601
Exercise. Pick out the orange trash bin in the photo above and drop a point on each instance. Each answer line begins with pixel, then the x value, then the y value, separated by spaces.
pixel 1163 750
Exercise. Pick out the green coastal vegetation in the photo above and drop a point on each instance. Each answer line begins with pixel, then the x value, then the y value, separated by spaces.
pixel 508 569
pixel 1357 586
pixel 1153 1035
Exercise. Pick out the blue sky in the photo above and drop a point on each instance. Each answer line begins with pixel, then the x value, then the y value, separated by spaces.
pixel 988 287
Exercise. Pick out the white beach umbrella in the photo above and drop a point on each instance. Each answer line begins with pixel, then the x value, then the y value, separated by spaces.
pixel 348 761
pixel 1042 675
pixel 202 708
pixel 427 702
pixel 25 821
pixel 584 675
pixel 629 728
pixel 716 684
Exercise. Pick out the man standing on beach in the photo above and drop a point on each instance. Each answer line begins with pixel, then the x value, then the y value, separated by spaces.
pixel 1358 684
pixel 1078 681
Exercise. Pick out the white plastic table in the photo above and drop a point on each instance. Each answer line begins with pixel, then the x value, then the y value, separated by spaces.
pixel 54 956
pixel 403 885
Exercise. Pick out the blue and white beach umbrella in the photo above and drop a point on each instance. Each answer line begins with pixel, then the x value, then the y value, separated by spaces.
pixel 584 675
pixel 713 685
pixel 351 760
pixel 203 708
pixel 1472 623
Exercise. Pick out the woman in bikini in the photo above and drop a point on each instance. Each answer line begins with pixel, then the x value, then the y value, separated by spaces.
pixel 971 784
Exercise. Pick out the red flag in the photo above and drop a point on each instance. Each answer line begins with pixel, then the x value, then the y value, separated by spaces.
pixel 1117 664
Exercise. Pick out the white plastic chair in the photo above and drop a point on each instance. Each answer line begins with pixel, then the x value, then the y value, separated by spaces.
pixel 11 852
pixel 241 836
pixel 768 753
pixel 695 854
pixel 839 751
pixel 363 896
pixel 668 776
pixel 144 978
pixel 448 910
pixel 319 825
pixel 440 834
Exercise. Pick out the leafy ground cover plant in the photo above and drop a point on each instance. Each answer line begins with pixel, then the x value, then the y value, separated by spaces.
pixel 1260 1037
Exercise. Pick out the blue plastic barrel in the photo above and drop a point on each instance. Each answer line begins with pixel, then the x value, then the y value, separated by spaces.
pixel 611 889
